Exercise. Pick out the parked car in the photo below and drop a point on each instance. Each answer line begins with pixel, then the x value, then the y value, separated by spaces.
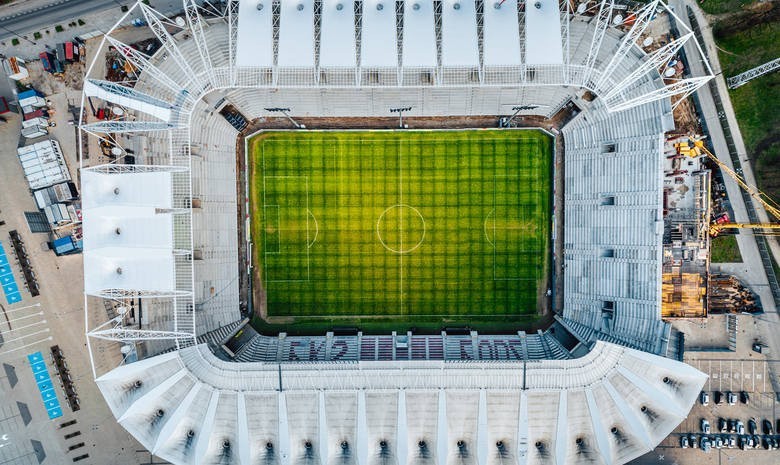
pixel 732 442
pixel 718 442
pixel 744 397
pixel 705 444
pixel 732 425
pixel 705 426
pixel 718 397
pixel 684 442
pixel 693 441
pixel 731 398
pixel 766 443
pixel 722 425
pixel 752 426
pixel 749 442
pixel 740 427
pixel 704 398
pixel 767 426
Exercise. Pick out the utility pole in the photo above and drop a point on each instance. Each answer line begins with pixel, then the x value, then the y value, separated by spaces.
pixel 400 111
pixel 285 112
pixel 17 35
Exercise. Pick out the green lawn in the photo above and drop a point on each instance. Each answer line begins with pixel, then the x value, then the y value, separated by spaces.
pixel 715 7
pixel 757 103
pixel 394 230
pixel 724 249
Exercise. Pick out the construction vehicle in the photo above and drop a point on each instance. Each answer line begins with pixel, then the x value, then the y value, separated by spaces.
pixel 695 148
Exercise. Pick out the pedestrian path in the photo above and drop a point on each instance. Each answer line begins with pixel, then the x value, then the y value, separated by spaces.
pixel 10 288
pixel 45 385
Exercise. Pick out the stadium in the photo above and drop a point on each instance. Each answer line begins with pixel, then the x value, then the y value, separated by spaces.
pixel 207 214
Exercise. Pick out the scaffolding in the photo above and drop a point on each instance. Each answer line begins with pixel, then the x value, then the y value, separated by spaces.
pixel 743 78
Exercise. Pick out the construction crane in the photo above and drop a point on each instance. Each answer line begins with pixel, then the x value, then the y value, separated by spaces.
pixel 696 148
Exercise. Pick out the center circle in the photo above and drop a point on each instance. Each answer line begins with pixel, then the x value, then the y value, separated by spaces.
pixel 401 228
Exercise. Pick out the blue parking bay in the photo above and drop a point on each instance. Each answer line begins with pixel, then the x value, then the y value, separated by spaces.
pixel 7 281
pixel 45 386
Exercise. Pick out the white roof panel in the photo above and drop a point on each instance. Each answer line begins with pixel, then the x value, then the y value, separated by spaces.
pixel 378 41
pixel 459 34
pixel 501 36
pixel 419 34
pixel 142 269
pixel 254 42
pixel 337 34
pixel 150 189
pixel 125 230
pixel 543 45
pixel 296 34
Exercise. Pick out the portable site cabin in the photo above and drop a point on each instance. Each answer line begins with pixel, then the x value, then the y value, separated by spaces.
pixel 34 132
pixel 39 121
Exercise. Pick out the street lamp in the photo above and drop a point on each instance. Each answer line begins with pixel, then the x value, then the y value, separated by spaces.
pixel 285 111
pixel 400 111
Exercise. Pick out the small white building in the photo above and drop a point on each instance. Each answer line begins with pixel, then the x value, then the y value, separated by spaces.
pixel 15 69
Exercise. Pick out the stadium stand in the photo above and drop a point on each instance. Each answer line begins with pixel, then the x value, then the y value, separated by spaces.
pixel 595 383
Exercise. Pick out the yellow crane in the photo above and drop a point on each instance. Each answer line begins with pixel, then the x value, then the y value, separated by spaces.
pixel 695 148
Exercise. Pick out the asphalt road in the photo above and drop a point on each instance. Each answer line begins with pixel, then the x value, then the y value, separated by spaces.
pixel 54 13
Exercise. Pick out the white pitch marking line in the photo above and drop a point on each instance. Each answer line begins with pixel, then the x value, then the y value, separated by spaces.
pixel 26 345
pixel 487 218
pixel 401 225
pixel 316 228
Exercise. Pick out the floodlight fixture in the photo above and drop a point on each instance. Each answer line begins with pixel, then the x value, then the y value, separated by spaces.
pixel 400 111
pixel 285 112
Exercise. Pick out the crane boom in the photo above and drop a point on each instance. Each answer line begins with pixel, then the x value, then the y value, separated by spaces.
pixel 715 229
pixel 770 205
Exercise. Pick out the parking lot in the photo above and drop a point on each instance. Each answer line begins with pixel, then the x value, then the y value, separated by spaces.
pixel 751 375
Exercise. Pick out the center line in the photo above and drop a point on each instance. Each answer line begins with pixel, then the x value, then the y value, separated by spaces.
pixel 401 225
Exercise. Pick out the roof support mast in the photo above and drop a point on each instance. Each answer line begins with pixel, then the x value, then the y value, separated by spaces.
pixel 157 22
pixel 142 62
pixel 232 11
pixel 195 23
pixel 651 63
pixel 643 18
pixel 602 22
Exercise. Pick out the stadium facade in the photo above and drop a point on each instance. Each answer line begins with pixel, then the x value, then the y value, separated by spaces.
pixel 596 387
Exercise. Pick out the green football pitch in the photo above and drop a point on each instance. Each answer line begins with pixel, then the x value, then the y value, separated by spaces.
pixel 394 230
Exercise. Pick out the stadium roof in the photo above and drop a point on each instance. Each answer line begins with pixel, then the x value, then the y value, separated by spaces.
pixel 255 44
pixel 189 404
pixel 501 35
pixel 459 46
pixel 296 34
pixel 420 37
pixel 130 244
pixel 337 46
pixel 543 33
pixel 378 35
